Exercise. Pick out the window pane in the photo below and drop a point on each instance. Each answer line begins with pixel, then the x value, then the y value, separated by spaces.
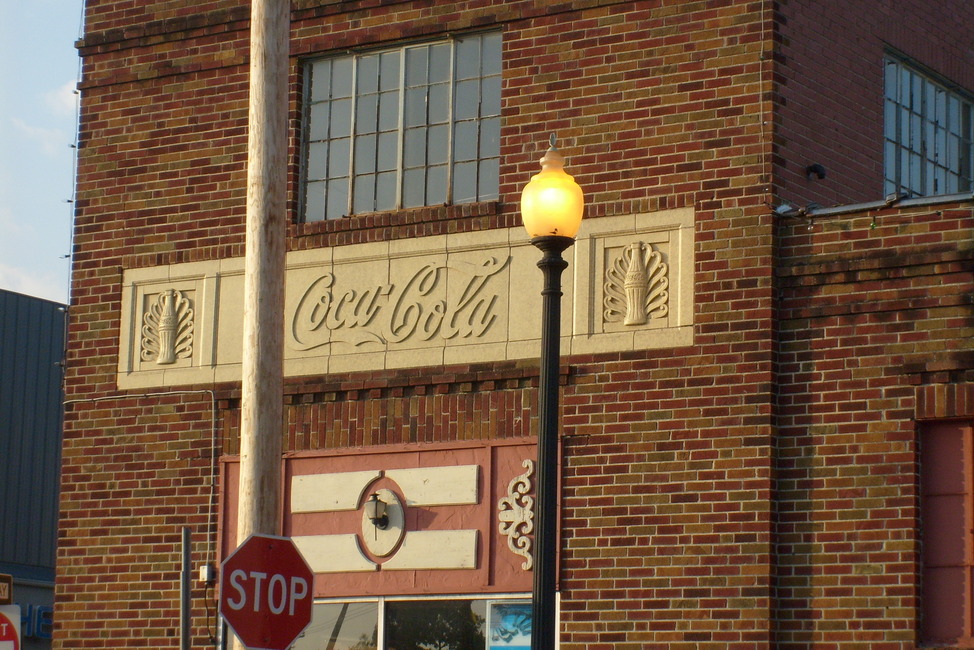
pixel 904 174
pixel 904 138
pixel 338 162
pixel 389 71
pixel 489 180
pixel 940 179
pixel 953 152
pixel 439 104
pixel 367 114
pixel 385 191
pixel 436 185
pixel 904 87
pixel 465 141
pixel 414 148
pixel 467 100
pixel 314 201
pixel 415 108
pixel 440 624
pixel 465 182
pixel 348 625
pixel 490 98
pixel 509 624
pixel 364 194
pixel 365 154
pixel 320 116
pixel 341 118
pixel 952 184
pixel 320 79
pixel 317 159
pixel 341 78
pixel 438 144
pixel 890 163
pixel 439 65
pixel 953 115
pixel 368 74
pixel 941 114
pixel 491 49
pixel 892 74
pixel 929 99
pixel 388 151
pixel 389 111
pixel 417 61
pixel 468 58
pixel 915 166
pixel 414 188
pixel 490 138
pixel 337 199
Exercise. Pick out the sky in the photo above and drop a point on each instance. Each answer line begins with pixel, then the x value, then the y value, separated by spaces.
pixel 38 127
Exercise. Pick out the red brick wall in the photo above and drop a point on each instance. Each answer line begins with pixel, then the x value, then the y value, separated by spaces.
pixel 830 93
pixel 670 455
pixel 135 471
pixel 875 333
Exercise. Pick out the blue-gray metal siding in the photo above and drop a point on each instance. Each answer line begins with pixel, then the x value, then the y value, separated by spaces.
pixel 31 351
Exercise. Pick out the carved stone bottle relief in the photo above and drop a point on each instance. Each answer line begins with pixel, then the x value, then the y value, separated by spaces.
pixel 167 328
pixel 516 515
pixel 636 284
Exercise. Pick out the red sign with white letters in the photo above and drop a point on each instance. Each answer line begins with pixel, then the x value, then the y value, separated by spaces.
pixel 266 592
pixel 10 627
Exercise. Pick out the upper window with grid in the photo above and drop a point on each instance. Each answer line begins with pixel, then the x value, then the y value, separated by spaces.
pixel 414 126
pixel 927 134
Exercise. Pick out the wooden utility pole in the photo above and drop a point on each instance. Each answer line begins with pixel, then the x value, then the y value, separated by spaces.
pixel 259 506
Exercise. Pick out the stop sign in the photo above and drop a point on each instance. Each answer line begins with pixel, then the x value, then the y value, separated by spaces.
pixel 265 592
pixel 10 627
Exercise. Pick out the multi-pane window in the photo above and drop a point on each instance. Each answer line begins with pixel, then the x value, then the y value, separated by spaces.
pixel 927 134
pixel 414 126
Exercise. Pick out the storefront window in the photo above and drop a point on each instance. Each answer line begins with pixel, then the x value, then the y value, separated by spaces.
pixel 341 626
pixel 440 624
pixel 419 624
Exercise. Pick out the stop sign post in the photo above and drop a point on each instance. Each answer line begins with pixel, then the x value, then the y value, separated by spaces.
pixel 266 592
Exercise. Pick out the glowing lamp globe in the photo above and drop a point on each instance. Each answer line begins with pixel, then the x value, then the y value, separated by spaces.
pixel 552 202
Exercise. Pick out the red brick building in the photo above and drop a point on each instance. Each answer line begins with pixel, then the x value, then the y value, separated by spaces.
pixel 770 447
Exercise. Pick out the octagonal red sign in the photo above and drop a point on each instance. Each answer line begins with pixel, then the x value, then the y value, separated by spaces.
pixel 266 592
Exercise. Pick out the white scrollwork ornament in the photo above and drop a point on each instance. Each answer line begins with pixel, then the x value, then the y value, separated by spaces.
pixel 167 328
pixel 636 286
pixel 516 515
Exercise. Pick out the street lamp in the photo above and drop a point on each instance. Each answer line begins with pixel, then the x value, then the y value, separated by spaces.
pixel 551 209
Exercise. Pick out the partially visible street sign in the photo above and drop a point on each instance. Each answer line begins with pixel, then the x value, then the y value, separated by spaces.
pixel 9 627
pixel 6 589
pixel 266 592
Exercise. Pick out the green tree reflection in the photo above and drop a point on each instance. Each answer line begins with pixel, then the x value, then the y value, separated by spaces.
pixel 433 625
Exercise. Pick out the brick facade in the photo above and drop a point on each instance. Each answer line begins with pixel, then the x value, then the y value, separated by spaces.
pixel 755 489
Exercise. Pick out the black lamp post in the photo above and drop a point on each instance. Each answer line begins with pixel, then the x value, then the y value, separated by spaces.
pixel 551 209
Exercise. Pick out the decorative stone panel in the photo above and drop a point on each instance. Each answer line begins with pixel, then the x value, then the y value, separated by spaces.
pixel 459 298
